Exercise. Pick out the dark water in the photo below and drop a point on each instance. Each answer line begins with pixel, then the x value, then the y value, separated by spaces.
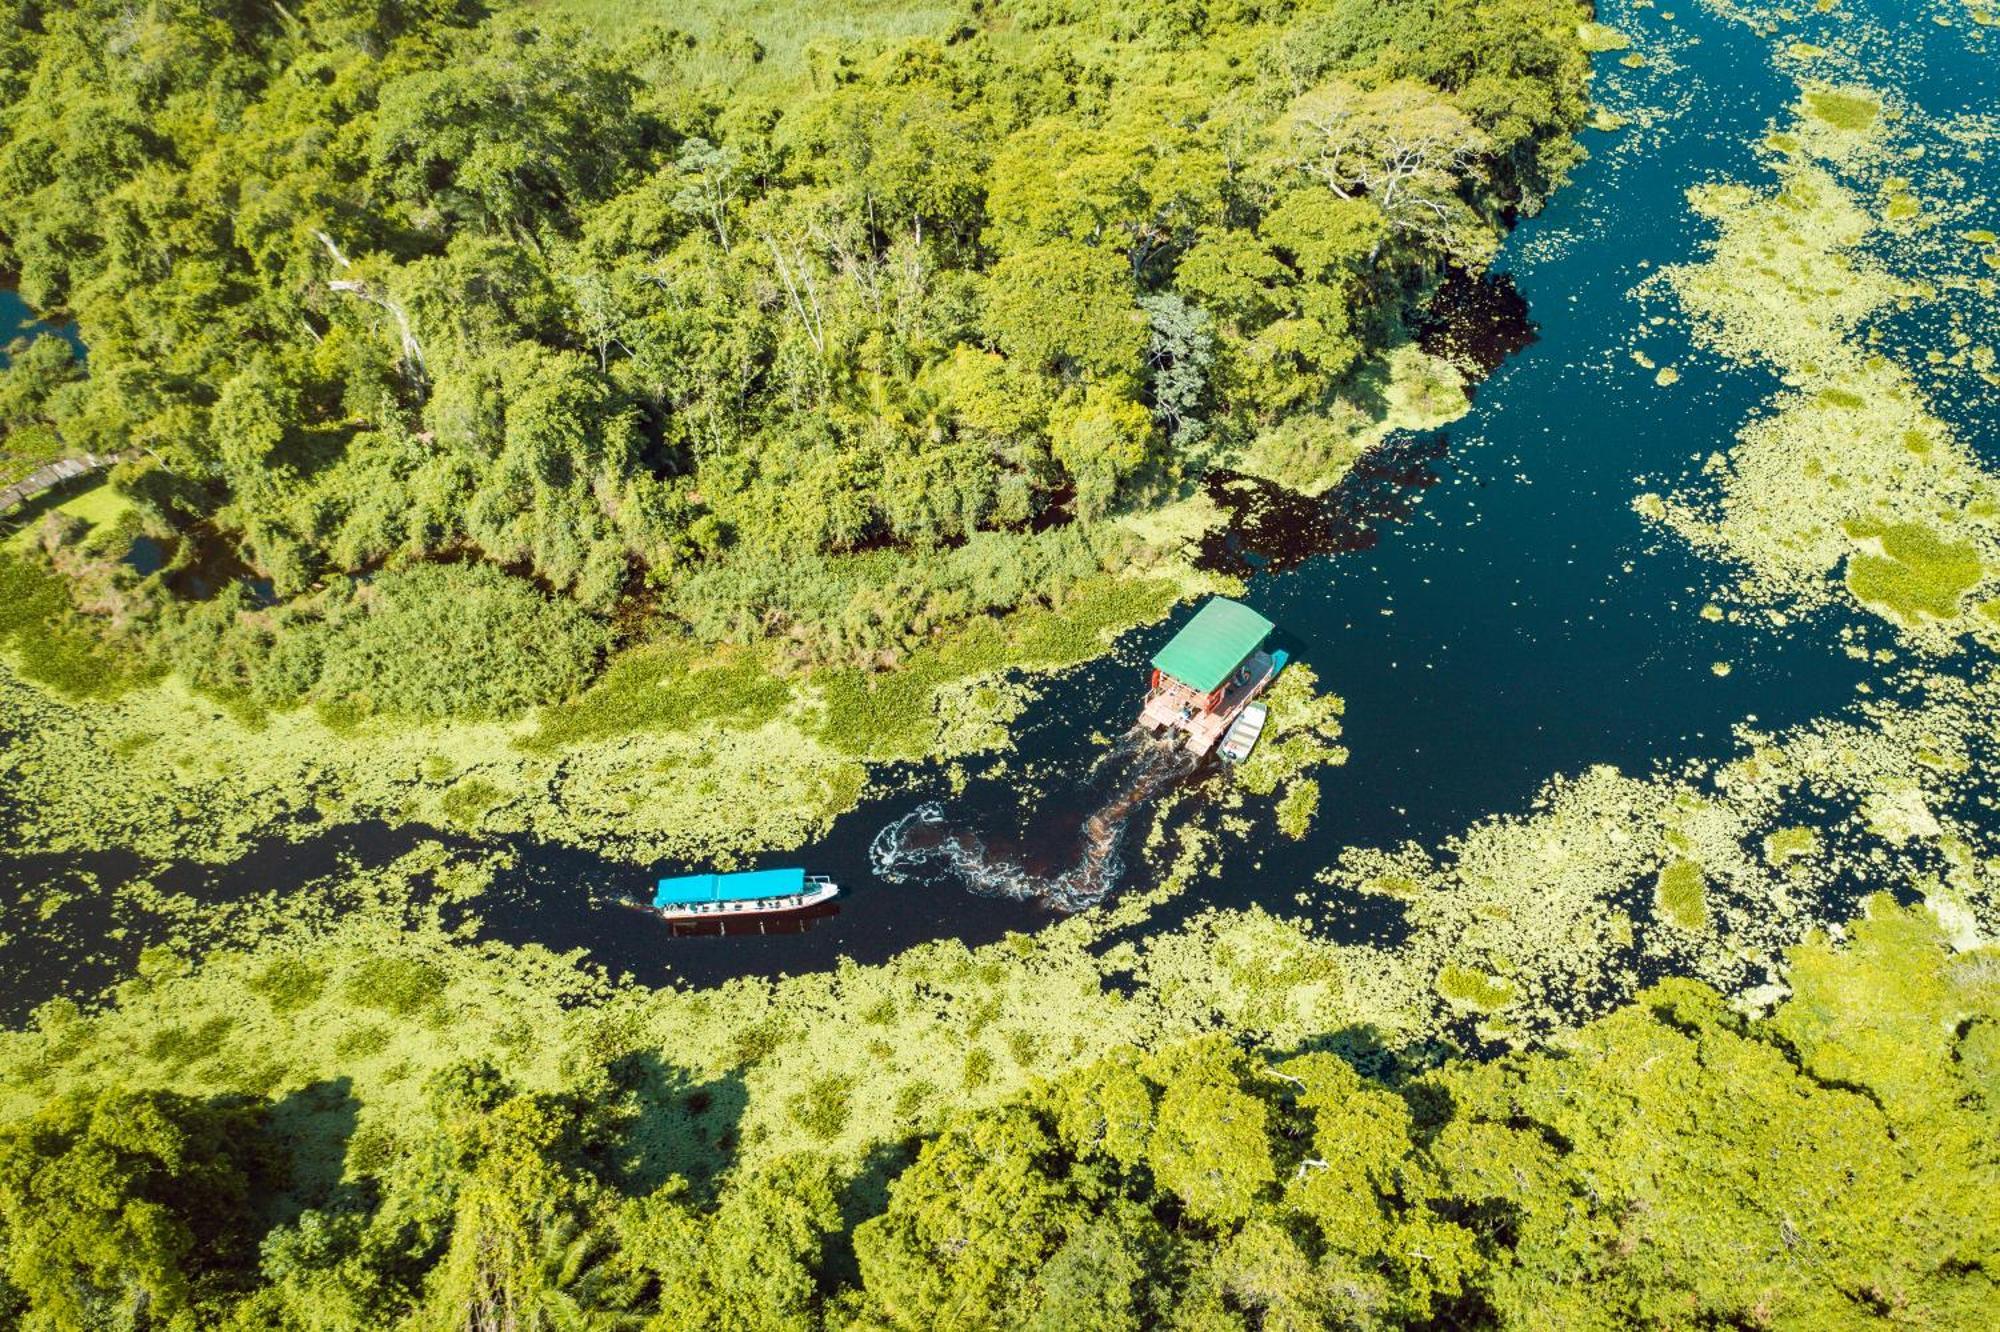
pixel 17 320
pixel 1486 602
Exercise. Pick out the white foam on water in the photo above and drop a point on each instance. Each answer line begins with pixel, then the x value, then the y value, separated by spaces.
pixel 921 844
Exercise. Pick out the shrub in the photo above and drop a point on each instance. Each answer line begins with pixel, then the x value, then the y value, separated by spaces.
pixel 457 641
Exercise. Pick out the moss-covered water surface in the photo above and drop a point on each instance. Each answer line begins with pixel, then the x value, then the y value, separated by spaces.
pixel 1685 628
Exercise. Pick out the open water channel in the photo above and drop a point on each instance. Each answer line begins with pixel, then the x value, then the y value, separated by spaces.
pixel 1516 622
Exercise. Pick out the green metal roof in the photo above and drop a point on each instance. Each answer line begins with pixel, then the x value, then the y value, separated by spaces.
pixel 1212 644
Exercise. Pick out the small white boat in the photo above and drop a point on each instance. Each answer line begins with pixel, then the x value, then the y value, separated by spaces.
pixel 703 897
pixel 1244 732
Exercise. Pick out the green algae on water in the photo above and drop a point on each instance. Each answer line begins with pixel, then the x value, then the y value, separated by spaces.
pixel 1680 895
pixel 1910 574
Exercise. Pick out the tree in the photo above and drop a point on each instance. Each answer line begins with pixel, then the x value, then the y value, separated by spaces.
pixel 985 1204
pixel 529 1225
pixel 1209 1144
pixel 708 185
pixel 1178 359
pixel 1101 437
pixel 1143 183
pixel 748 1264
pixel 385 280
pixel 1408 150
pixel 1233 273
pixel 1680 1162
pixel 129 1209
pixel 38 369
pixel 1067 310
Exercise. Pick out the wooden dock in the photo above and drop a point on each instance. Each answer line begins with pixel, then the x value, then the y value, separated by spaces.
pixel 50 475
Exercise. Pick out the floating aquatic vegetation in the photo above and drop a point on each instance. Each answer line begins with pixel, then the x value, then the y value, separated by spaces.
pixel 673 754
pixel 1600 37
pixel 1477 991
pixel 1788 844
pixel 199 783
pixel 1908 573
pixel 1680 895
pixel 1850 473
pixel 1854 110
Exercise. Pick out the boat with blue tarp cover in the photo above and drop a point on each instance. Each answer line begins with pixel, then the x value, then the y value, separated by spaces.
pixel 749 892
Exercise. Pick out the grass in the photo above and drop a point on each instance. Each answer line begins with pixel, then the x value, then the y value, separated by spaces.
pixel 665 688
pixel 1680 895
pixel 98 505
pixel 1467 987
pixel 288 984
pixel 400 986
pixel 1911 574
pixel 894 714
pixel 52 644
pixel 784 31
pixel 468 801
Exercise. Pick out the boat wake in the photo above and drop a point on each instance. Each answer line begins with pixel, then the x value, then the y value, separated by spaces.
pixel 924 846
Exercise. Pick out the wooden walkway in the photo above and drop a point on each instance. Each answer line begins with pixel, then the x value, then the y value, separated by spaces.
pixel 51 475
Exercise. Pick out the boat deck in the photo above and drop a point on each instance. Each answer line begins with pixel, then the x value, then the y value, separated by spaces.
pixel 1174 706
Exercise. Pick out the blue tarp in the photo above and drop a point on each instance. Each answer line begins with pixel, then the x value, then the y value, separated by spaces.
pixel 692 888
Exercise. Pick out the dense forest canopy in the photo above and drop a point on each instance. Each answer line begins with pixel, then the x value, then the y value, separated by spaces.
pixel 365 283
pixel 1673 1165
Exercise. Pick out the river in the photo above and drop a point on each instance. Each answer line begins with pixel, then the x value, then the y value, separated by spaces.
pixel 1519 623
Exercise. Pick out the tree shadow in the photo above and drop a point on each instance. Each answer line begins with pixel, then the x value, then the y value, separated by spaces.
pixel 1366 385
pixel 1366 1049
pixel 310 1129
pixel 680 1126
pixel 865 1194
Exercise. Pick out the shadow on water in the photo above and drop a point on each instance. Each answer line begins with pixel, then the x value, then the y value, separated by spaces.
pixel 1479 322
pixel 1274 530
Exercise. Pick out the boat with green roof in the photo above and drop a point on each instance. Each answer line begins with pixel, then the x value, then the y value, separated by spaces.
pixel 1208 673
